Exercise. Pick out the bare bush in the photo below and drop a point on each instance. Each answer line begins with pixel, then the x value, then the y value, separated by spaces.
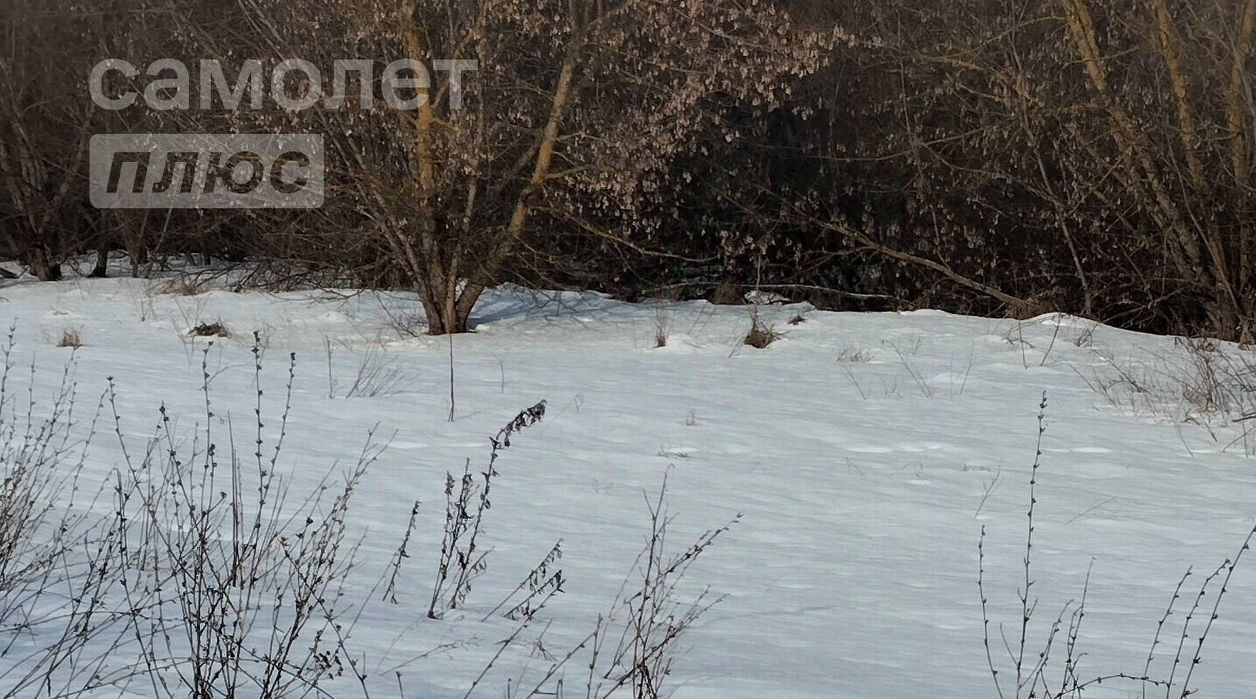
pixel 203 579
pixel 662 326
pixel 183 285
pixel 58 560
pixel 656 619
pixel 1050 668
pixel 244 584
pixel 215 328
pixel 760 334
pixel 466 502
pixel 1028 179
pixel 854 355
pixel 636 643
pixel 41 465
pixel 70 337
pixel 539 586
pixel 1198 381
pixel 377 375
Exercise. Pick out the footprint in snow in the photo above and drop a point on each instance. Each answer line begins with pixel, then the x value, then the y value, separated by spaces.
pixel 870 450
pixel 915 448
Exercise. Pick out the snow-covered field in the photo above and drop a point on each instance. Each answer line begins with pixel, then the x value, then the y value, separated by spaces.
pixel 865 452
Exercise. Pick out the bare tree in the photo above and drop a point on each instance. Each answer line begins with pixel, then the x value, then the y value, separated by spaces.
pixel 1088 156
pixel 44 128
pixel 569 121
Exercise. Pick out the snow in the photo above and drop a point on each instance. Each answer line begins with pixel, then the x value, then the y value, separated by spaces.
pixel 865 452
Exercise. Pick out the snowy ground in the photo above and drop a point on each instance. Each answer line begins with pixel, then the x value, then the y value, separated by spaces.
pixel 865 452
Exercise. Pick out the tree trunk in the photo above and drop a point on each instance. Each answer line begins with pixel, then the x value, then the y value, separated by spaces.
pixel 44 268
pixel 137 252
pixel 101 270
pixel 437 324
pixel 448 311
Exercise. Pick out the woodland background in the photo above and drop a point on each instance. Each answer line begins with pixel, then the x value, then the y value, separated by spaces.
pixel 980 156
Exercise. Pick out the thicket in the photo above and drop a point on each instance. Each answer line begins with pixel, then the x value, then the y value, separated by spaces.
pixel 987 156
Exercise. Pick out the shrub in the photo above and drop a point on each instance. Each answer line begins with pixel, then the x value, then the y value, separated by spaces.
pixel 57 560
pixel 70 337
pixel 1041 673
pixel 197 559
pixel 727 295
pixel 204 579
pixel 636 642
pixel 760 334
pixel 376 375
pixel 662 327
pixel 213 329
pixel 466 501
pixel 39 473
pixel 853 355
pixel 183 285
pixel 240 581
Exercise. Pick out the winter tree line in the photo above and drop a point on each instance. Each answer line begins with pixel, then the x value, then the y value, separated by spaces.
pixel 1006 157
